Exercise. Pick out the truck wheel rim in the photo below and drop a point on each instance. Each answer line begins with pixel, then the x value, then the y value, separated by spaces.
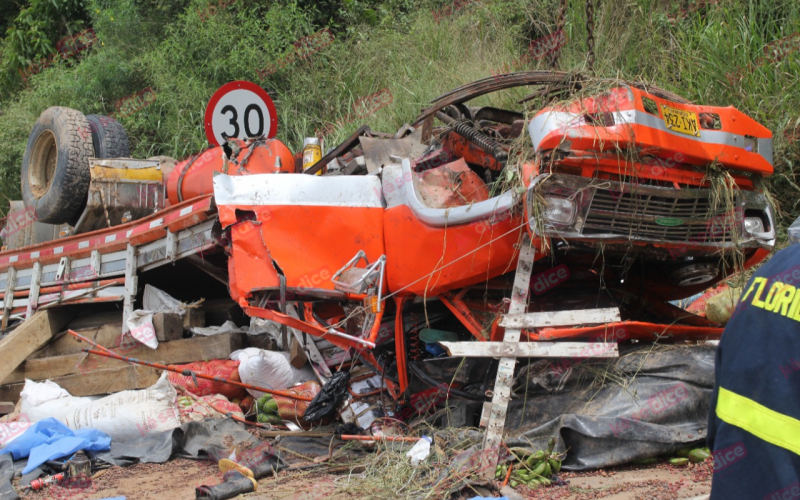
pixel 44 159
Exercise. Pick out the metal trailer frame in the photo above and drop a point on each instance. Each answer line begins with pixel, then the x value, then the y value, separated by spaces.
pixel 102 266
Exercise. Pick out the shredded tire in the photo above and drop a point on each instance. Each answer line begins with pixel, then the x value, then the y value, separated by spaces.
pixel 55 167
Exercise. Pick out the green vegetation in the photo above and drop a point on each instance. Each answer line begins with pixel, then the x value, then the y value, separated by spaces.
pixel 711 52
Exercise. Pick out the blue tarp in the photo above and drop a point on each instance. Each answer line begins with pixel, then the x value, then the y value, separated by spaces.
pixel 49 439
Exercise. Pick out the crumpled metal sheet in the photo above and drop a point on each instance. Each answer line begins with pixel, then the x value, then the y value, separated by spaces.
pixel 249 265
pixel 303 227
pixel 377 151
pixel 242 192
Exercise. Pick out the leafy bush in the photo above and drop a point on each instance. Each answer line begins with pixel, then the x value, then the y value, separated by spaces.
pixel 34 34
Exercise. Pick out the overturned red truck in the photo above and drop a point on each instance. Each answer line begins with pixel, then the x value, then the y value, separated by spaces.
pixel 630 199
pixel 619 193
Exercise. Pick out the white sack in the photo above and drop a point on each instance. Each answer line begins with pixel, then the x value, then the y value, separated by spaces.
pixel 268 369
pixel 41 400
pixel 36 393
pixel 131 414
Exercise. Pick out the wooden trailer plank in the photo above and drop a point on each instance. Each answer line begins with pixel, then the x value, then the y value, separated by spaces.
pixel 29 336
pixel 532 349
pixel 560 318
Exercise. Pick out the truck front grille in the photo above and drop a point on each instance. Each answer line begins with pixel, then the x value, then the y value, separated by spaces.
pixel 659 217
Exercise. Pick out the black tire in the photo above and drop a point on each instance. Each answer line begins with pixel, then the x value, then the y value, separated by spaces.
pixel 55 167
pixel 108 137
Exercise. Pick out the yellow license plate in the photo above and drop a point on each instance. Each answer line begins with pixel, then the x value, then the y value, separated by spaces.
pixel 681 121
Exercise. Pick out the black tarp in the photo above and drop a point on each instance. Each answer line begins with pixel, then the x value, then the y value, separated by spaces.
pixel 209 439
pixel 650 401
pixel 6 474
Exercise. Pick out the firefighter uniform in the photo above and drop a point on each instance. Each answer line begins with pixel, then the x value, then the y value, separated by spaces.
pixel 754 418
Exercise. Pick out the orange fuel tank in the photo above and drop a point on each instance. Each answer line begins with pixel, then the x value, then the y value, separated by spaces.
pixel 194 176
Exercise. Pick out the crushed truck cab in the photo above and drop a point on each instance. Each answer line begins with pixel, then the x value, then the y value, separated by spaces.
pixel 676 184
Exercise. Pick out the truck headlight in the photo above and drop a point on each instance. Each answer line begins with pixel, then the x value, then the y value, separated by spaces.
pixel 559 211
pixel 754 225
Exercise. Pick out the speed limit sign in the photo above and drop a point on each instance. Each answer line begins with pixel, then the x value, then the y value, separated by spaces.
pixel 240 110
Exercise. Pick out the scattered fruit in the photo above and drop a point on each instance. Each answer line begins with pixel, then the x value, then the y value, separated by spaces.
pixel 267 410
pixel 265 418
pixel 520 453
pixel 271 406
pixel 534 470
pixel 698 455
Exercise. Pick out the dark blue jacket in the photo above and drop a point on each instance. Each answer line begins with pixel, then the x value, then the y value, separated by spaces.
pixel 754 419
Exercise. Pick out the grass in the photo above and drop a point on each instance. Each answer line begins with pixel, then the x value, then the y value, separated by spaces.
pixel 450 466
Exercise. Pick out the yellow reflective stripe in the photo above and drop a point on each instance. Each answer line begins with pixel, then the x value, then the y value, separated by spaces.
pixel 771 426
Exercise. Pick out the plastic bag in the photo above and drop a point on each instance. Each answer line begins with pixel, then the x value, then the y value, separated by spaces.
pixel 223 368
pixel 332 395
pixel 140 326
pixel 160 301
pixel 227 327
pixel 663 407
pixel 131 414
pixel 419 451
pixel 51 439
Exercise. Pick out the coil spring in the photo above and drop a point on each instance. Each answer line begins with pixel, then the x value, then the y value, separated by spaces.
pixel 416 349
pixel 480 139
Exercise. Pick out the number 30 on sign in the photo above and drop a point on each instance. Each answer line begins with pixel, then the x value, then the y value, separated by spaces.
pixel 240 110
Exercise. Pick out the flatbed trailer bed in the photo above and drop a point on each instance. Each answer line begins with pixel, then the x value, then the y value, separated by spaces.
pixel 102 266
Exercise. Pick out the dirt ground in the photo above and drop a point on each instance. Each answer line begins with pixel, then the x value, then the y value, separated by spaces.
pixel 176 480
